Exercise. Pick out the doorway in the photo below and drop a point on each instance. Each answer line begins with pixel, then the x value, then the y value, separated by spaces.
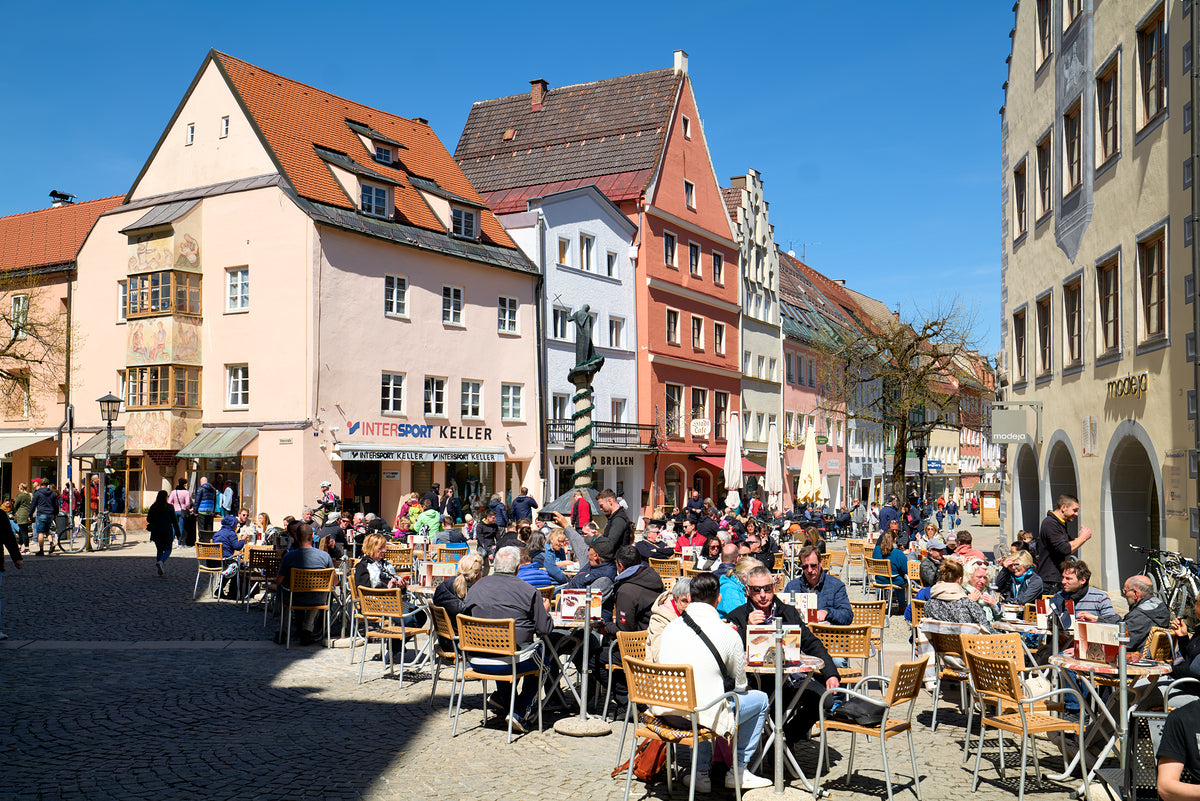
pixel 360 487
pixel 474 482
pixel 1133 495
pixel 1061 479
pixel 1026 504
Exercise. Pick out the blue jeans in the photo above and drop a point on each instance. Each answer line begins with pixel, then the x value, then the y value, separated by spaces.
pixel 162 554
pixel 179 527
pixel 41 524
pixel 752 716
pixel 529 686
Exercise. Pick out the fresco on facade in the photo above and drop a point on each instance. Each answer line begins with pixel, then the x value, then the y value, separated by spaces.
pixel 149 254
pixel 188 250
pixel 187 341
pixel 149 341
pixel 159 431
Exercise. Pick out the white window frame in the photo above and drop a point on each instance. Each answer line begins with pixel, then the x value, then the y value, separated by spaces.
pixel 672 312
pixel 464 223
pixel 564 251
pixel 587 252
pixel 616 326
pixel 512 395
pixel 224 126
pixel 672 251
pixel 697 332
pixel 674 428
pixel 687 126
pixel 719 339
pixel 703 407
pixel 696 270
pixel 122 300
pixel 19 316
pixel 383 154
pixel 391 402
pixel 612 266
pixel 395 296
pixel 507 314
pixel 560 406
pixel 431 388
pixel 772 364
pixel 237 290
pixel 689 195
pixel 718 268
pixel 470 397
pixel 452 314
pixel 237 397
pixel 190 134
pixel 563 314
pixel 369 201
pixel 617 408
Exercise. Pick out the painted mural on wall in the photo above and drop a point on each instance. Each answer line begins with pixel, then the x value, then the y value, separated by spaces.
pixel 150 253
pixel 163 340
pixel 159 430
pixel 177 247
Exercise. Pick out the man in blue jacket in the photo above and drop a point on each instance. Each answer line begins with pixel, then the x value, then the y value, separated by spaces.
pixel 523 506
pixel 206 507
pixel 889 512
pixel 833 604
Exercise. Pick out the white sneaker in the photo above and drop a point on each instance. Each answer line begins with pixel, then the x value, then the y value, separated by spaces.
pixel 703 782
pixel 749 781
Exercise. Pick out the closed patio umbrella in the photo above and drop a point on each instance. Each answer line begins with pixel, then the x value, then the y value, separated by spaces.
pixel 809 489
pixel 733 460
pixel 774 467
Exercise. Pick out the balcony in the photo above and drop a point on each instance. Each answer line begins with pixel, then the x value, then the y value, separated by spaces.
pixel 618 436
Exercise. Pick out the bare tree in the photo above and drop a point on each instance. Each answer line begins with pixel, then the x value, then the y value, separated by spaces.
pixel 34 342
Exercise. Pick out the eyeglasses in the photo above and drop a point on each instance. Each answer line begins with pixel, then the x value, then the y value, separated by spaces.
pixel 756 589
pixel 817 566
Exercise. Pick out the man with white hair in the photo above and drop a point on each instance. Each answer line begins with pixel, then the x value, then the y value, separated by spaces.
pixel 1146 610
pixel 502 595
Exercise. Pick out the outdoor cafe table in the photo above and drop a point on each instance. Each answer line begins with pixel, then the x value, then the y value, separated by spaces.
pixel 1084 674
pixel 1021 627
pixel 805 668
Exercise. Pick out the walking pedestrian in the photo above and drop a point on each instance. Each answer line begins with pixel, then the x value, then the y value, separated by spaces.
pixel 45 506
pixel 160 522
pixel 22 506
pixel 9 539
pixel 181 501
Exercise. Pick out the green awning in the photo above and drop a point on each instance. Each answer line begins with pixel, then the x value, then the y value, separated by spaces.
pixel 95 446
pixel 215 443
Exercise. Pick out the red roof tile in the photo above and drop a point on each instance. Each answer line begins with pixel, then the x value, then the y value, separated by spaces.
pixel 617 188
pixel 733 202
pixel 49 236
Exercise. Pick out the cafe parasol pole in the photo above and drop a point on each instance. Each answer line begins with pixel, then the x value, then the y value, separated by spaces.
pixel 779 744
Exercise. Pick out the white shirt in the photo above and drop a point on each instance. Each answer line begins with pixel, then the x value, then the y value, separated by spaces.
pixel 680 645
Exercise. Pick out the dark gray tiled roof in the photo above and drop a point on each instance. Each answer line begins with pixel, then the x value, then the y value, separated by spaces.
pixel 162 215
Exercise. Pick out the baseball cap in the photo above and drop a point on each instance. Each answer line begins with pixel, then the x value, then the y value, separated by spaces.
pixel 936 544
pixel 603 548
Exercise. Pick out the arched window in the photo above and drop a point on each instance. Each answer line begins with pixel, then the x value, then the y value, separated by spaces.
pixel 673 486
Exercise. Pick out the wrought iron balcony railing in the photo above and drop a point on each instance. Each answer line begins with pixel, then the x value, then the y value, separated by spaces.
pixel 561 434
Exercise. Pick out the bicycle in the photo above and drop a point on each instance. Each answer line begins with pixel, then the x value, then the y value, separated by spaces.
pixel 1176 579
pixel 102 533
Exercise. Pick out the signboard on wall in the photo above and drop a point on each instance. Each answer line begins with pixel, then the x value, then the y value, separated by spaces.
pixel 367 454
pixel 1009 427
pixel 701 427
pixel 1089 439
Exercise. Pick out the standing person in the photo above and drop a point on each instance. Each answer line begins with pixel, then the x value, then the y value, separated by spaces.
pixel 329 502
pixel 451 505
pixel 496 504
pixel 1054 545
pixel 581 510
pixel 160 522
pixel 873 518
pixel 890 512
pixel 22 506
pixel 617 529
pixel 45 506
pixel 181 502
pixel 695 506
pixel 9 541
pixel 523 506
pixel 206 506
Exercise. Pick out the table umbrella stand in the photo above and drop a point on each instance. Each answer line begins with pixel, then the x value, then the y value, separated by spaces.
pixel 584 725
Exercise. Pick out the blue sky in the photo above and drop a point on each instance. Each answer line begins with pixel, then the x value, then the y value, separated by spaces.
pixel 877 134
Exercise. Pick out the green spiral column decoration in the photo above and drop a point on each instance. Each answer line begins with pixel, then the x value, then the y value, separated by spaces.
pixel 584 441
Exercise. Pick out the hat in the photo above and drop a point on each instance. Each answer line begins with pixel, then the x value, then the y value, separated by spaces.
pixel 603 548
pixel 228 521
pixel 326 484
pixel 935 544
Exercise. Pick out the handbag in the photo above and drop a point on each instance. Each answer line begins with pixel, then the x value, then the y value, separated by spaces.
pixel 726 679
pixel 649 760
pixel 858 711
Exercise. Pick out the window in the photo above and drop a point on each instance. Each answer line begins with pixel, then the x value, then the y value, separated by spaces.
pixel 1108 295
pixel 1019 347
pixel 560 325
pixel 391 399
pixel 746 362
pixel 395 295
pixel 464 223
pixel 383 154
pixel 587 244
pixel 559 407
pixel 771 364
pixel 1152 63
pixel 506 314
pixel 687 128
pixel 1106 113
pixel 673 486
pixel 787 369
pixel 1045 355
pixel 616 332
pixel 697 333
pixel 1073 323
pixel 1043 30
pixel 789 420
pixel 699 403
pixel 1043 177
pixel 694 259
pixel 161 386
pixel 618 410
pixel 718 269
pixel 435 396
pixel 672 326
pixel 611 264
pixel 122 300
pixel 564 251
pixel 472 399
pixel 719 338
pixel 1019 221
pixel 812 374
pixel 452 305
pixel 374 200
pixel 669 250
pixel 689 194
pixel 237 289
pixel 224 126
pixel 760 373
pixel 19 319
pixel 1071 11
pixel 237 394
pixel 1152 272
pixel 1073 175
pixel 162 293
pixel 510 401
pixel 720 412
pixel 674 409
pixel 191 133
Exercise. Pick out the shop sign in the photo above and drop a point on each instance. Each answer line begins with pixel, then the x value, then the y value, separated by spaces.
pixel 391 475
pixel 388 455
pixel 933 464
pixel 1131 386
pixel 564 460
pixel 833 464
pixel 701 427
pixel 822 439
pixel 364 428
pixel 1008 427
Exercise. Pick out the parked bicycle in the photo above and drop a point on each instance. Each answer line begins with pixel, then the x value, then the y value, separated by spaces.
pixel 1176 579
pixel 102 532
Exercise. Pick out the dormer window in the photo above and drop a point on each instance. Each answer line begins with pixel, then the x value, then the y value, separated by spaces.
pixel 374 200
pixel 465 223
pixel 383 154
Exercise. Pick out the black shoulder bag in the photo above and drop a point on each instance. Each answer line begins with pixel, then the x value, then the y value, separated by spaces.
pixel 726 679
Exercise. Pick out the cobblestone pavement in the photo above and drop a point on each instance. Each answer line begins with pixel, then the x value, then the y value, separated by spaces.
pixel 119 686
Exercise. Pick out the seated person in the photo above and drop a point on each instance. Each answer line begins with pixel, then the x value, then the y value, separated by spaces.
pixel 449 535
pixel 710 555
pixel 935 551
pixel 886 548
pixel 730 553
pixel 450 593
pixel 1178 750
pixel 305 557
pixel 812 536
pixel 1146 611
pixel 833 603
pixel 668 606
pixel 755 548
pixel 231 541
pixel 545 558
pixel 1188 664
pixel 690 536
pixel 733 585
pixel 965 549
pixel 636 589
pixel 600 572
pixel 763 608
pixel 373 570
pixel 1091 605
pixel 949 602
pixel 336 528
pixel 652 547
pixel 1018 582
pixel 975 584
pixel 532 573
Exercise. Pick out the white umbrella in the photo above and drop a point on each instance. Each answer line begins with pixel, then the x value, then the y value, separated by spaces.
pixel 774 467
pixel 733 460
pixel 809 489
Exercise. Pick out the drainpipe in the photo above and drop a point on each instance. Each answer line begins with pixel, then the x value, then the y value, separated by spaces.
pixel 68 415
pixel 539 293
pixel 1194 511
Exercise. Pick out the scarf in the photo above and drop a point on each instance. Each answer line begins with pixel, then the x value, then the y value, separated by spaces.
pixel 947 591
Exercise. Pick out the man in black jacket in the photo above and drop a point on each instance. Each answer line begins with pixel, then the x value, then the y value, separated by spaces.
pixel 486 532
pixel 617 530
pixel 761 608
pixel 523 506
pixel 1054 545
pixel 635 589
pixel 1146 610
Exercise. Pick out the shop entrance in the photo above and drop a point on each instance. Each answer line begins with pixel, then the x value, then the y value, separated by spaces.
pixel 1026 503
pixel 1133 494
pixel 360 487
pixel 474 482
pixel 1062 480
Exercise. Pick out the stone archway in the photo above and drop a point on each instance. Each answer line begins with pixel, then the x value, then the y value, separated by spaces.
pixel 1062 478
pixel 1131 488
pixel 1026 503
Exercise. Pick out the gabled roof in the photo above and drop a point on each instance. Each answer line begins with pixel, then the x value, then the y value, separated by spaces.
pixel 50 236
pixel 610 128
pixel 733 202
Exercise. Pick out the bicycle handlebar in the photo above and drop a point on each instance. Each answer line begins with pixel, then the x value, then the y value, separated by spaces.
pixel 1153 551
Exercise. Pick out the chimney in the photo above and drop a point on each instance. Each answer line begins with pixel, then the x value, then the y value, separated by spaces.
pixel 537 93
pixel 60 198
pixel 681 62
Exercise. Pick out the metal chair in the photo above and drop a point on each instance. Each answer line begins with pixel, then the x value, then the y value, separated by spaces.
pixel 903 687
pixel 846 642
pixel 836 559
pixel 496 639
pixel 445 646
pixel 1000 646
pixel 855 554
pixel 948 658
pixel 380 606
pixel 875 615
pixel 206 554
pixel 627 643
pixel 306 581
pixel 918 614
pixel 879 571
pixel 449 553
pixel 262 568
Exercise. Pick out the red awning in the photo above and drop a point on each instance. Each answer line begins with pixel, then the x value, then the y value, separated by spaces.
pixel 749 468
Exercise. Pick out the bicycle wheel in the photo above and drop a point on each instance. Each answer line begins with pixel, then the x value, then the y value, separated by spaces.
pixel 99 543
pixel 115 534
pixel 75 540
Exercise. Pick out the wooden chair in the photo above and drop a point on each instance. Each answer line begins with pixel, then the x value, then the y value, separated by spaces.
pixel 1029 615
pixel 914 578
pixel 902 688
pixel 879 571
pixel 949 664
pixel 210 560
pixel 262 568
pixel 826 560
pixel 445 646
pixel 669 582
pixel 1159 646
pixel 627 643
pixel 547 592
pixel 995 680
pixel 836 559
pixel 401 556
pixel 666 568
pixel 846 642
pixel 691 572
pixel 449 553
pixel 306 581
pixel 385 607
pixel 496 639
pixel 875 615
pixel 855 554
pixel 672 687
pixel 918 614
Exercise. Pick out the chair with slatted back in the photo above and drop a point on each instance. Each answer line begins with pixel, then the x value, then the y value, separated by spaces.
pixel 262 568
pixel 874 614
pixel 903 687
pixel 855 554
pixel 914 578
pixel 445 647
pixel 781 581
pixel 401 557
pixel 918 613
pixel 1029 615
pixel 691 572
pixel 666 568
pixel 836 559
pixel 384 608
pixel 846 642
pixel 303 581
pixel 627 643
pixel 497 640
pixel 449 553
pixel 669 582
pixel 995 680
pixel 547 593
pixel 1004 646
pixel 671 687
pixel 1159 645
pixel 944 639
pixel 826 561
pixel 879 573
pixel 210 561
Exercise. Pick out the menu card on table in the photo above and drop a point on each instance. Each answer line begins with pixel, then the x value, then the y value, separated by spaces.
pixel 1041 608
pixel 760 644
pixel 571 604
pixel 1097 642
pixel 805 602
pixel 689 552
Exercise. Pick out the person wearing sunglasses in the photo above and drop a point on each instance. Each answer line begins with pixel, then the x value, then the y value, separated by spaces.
pixel 833 604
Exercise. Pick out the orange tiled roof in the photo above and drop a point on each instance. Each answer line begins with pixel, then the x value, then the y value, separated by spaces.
pixel 733 201
pixel 49 236
pixel 296 119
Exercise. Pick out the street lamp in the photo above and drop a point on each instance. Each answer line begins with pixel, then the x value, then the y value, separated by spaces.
pixel 921 446
pixel 110 405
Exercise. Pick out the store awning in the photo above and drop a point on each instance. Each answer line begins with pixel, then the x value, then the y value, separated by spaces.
pixel 14 442
pixel 95 446
pixel 216 443
pixel 390 452
pixel 748 467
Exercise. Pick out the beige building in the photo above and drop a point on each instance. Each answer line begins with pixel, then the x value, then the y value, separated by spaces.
pixel 1096 274
pixel 298 288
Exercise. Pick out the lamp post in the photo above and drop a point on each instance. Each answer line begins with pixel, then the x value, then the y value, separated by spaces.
pixel 110 405
pixel 921 446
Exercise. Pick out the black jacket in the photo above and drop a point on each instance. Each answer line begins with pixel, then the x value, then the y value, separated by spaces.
pixel 634 598
pixel 9 540
pixel 160 522
pixel 1053 547
pixel 485 537
pixel 809 644
pixel 1143 616
pixel 522 507
pixel 654 550
pixel 617 530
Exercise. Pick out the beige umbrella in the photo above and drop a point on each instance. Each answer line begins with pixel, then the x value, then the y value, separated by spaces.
pixel 733 460
pixel 774 468
pixel 809 489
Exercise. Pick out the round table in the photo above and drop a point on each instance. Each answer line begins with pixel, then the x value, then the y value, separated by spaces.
pixel 805 667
